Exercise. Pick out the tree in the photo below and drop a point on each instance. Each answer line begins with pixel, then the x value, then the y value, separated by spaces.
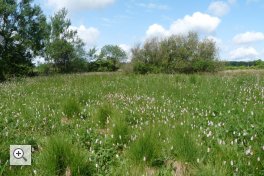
pixel 23 29
pixel 92 56
pixel 113 53
pixel 177 53
pixel 64 48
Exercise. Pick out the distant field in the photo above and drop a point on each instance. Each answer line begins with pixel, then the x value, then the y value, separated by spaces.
pixel 116 124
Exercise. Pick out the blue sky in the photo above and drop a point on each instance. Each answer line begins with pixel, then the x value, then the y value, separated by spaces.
pixel 235 25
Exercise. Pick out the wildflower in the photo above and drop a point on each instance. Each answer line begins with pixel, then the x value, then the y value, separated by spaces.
pixel 231 162
pixel 144 159
pixel 249 151
pixel 198 160
pixel 258 158
pixel 208 150
pixel 209 134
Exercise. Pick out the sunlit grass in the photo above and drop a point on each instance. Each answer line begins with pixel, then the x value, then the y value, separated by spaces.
pixel 134 124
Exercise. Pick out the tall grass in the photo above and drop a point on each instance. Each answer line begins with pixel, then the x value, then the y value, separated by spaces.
pixel 103 115
pixel 71 108
pixel 60 157
pixel 146 149
pixel 210 123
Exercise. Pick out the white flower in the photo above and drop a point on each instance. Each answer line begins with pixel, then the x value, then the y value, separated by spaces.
pixel 231 162
pixel 249 151
pixel 208 150
pixel 209 134
pixel 198 160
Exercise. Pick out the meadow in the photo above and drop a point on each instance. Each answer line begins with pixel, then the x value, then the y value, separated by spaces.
pixel 119 124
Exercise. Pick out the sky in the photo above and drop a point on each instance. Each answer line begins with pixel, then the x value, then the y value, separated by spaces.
pixel 235 25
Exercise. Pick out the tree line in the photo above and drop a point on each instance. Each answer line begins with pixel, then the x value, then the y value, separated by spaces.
pixel 26 33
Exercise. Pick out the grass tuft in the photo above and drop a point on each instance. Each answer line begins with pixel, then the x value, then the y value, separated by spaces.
pixel 71 108
pixel 146 149
pixel 61 157
pixel 103 115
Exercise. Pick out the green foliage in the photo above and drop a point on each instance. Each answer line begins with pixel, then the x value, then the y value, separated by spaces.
pixel 71 108
pixel 146 149
pixel 113 52
pixel 64 48
pixel 103 115
pixel 61 157
pixel 184 148
pixel 210 123
pixel 184 54
pixel 141 68
pixel 102 66
pixel 23 30
pixel 44 69
pixel 120 130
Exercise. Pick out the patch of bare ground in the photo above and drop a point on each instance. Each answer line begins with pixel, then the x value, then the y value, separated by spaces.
pixel 178 168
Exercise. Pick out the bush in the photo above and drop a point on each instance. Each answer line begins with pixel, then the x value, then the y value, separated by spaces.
pixel 183 54
pixel 141 68
pixel 61 157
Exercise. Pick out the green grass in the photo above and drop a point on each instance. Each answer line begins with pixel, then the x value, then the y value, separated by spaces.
pixel 60 156
pixel 212 123
pixel 146 149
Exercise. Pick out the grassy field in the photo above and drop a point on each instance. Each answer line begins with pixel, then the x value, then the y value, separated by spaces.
pixel 135 125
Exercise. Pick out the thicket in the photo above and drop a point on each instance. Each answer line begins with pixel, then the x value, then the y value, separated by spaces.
pixel 176 54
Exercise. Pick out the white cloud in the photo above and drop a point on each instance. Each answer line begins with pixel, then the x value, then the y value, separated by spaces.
pixel 244 53
pixel 219 8
pixel 156 30
pixel 127 49
pixel 217 41
pixel 154 6
pixel 248 37
pixel 88 35
pixel 80 4
pixel 198 22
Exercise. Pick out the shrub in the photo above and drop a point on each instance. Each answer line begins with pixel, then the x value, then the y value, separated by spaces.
pixel 141 68
pixel 179 53
pixel 60 156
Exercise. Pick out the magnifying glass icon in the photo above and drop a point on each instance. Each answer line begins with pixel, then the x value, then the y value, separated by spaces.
pixel 19 154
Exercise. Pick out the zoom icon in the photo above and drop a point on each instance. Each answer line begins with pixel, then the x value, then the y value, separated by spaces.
pixel 20 155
